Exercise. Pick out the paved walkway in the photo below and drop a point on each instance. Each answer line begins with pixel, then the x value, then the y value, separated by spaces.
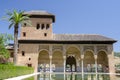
pixel 22 77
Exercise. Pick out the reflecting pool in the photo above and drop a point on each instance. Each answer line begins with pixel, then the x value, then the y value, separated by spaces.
pixel 72 76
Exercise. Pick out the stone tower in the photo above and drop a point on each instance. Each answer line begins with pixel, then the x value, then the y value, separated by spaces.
pixel 41 28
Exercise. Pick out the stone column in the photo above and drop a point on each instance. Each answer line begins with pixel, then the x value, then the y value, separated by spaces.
pixel 82 60
pixel 82 66
pixel 50 57
pixel 64 57
pixel 50 63
pixel 95 56
pixel 64 76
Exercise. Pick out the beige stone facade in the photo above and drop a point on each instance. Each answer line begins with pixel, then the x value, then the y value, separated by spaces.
pixel 45 51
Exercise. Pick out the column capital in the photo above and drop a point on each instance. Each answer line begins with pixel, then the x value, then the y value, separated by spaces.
pixel 82 56
pixel 50 50
pixel 95 56
pixel 95 50
pixel 64 57
pixel 50 56
pixel 64 49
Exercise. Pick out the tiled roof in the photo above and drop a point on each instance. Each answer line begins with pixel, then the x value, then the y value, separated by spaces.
pixel 37 12
pixel 72 39
pixel 81 37
pixel 9 46
pixel 40 14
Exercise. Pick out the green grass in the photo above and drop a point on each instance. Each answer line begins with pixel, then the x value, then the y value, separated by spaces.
pixel 9 70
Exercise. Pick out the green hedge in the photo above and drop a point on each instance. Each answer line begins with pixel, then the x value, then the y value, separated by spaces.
pixel 9 70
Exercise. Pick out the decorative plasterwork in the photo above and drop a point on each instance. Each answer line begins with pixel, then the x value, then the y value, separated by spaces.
pixel 45 47
pixel 88 48
pixel 99 48
pixel 57 47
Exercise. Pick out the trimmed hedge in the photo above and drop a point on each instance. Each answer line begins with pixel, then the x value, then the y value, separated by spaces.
pixel 9 71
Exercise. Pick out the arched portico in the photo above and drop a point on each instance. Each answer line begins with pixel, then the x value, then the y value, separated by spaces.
pixel 73 57
pixel 57 61
pixel 43 61
pixel 89 61
pixel 102 61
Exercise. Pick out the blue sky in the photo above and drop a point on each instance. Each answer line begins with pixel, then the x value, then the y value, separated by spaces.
pixel 73 16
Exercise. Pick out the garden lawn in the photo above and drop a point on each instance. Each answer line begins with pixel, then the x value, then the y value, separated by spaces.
pixel 9 71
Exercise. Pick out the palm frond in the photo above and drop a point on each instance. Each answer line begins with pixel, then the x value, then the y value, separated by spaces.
pixel 9 13
pixel 17 17
pixel 4 18
pixel 11 25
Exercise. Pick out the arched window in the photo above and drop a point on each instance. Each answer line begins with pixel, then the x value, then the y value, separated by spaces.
pixel 47 26
pixel 23 53
pixel 38 26
pixel 42 26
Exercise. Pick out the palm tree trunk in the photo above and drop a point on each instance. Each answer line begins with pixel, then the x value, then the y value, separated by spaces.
pixel 15 43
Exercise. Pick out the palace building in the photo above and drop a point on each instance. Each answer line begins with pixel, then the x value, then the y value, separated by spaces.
pixel 46 51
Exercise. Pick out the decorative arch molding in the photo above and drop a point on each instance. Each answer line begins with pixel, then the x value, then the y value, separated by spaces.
pixel 57 48
pixel 57 51
pixel 73 50
pixel 43 50
pixel 89 51
pixel 43 47
pixel 106 53
pixel 102 48
pixel 75 46
pixel 88 48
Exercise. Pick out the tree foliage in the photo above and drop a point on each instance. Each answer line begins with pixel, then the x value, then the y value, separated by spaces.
pixel 117 54
pixel 4 53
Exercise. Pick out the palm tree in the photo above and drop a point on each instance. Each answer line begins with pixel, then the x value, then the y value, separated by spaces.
pixel 17 19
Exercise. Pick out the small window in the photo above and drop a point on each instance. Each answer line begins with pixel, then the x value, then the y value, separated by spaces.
pixel 43 26
pixel 45 34
pixel 47 26
pixel 29 59
pixel 24 34
pixel 29 65
pixel 38 26
pixel 23 53
pixel 25 24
